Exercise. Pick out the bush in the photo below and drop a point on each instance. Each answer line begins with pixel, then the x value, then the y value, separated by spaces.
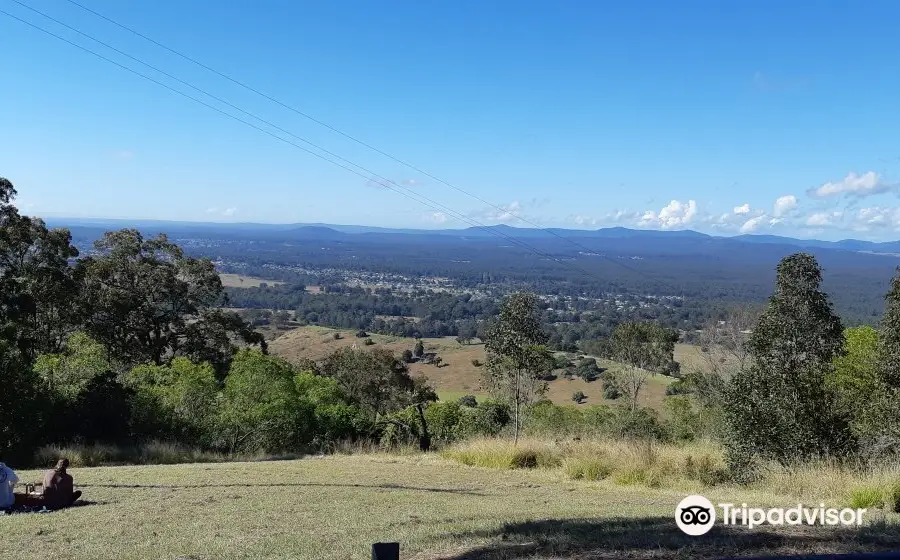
pixel 446 422
pixel 490 418
pixel 546 419
pixel 369 342
pixel 578 397
pixel 866 497
pixel 611 392
pixel 597 419
pixel 408 356
pixel 468 401
pixel 704 470
pixel 679 387
pixel 642 423
pixel 476 362
pixel 561 362
pixel 361 334
pixel 336 336
pixel 685 422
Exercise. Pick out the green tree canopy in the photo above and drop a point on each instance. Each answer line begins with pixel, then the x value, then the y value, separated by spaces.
pixel 261 406
pixel 147 302
pixel 517 359
pixel 780 407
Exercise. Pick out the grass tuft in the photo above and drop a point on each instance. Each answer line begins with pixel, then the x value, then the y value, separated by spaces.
pixel 503 454
pixel 867 497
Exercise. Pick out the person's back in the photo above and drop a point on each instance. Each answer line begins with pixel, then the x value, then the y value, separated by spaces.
pixel 59 486
pixel 8 480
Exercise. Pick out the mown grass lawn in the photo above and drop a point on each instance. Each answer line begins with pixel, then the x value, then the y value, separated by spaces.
pixel 336 507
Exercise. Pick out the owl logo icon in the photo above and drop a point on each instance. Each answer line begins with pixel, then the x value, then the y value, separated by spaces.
pixel 695 515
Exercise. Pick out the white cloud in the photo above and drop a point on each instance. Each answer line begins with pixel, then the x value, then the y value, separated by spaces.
pixel 752 224
pixel 673 215
pixel 744 209
pixel 868 183
pixel 876 217
pixel 784 205
pixel 584 220
pixel 437 217
pixel 819 219
pixel 226 212
pixel 506 213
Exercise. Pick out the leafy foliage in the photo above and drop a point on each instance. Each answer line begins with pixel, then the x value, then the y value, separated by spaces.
pixel 516 356
pixel 780 408
pixel 147 302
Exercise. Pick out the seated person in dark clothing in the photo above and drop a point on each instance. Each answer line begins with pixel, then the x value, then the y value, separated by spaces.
pixel 59 486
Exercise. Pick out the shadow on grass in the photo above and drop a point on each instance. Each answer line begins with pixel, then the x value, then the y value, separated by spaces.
pixel 286 485
pixel 21 510
pixel 659 537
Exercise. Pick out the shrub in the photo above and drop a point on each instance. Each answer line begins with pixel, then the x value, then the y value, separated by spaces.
pixel 866 497
pixel 548 419
pixel 611 392
pixel 446 422
pixel 704 470
pixel 679 387
pixel 578 397
pixel 408 356
pixel 369 342
pixel 476 362
pixel 468 401
pixel 597 419
pixel 361 334
pixel 336 336
pixel 685 422
pixel 641 423
pixel 490 418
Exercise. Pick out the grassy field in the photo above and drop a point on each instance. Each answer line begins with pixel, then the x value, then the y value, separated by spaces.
pixel 241 281
pixel 334 507
pixel 458 376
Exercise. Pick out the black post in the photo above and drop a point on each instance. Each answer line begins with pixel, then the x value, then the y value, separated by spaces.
pixel 386 551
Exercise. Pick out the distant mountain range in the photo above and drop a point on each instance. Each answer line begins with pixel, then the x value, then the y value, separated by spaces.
pixel 499 232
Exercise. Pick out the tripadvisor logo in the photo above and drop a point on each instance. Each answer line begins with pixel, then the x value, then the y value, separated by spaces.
pixel 695 515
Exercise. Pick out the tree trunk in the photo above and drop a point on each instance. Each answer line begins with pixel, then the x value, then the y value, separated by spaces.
pixel 516 430
pixel 425 437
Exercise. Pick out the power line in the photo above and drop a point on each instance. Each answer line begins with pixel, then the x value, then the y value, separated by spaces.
pixel 346 135
pixel 387 182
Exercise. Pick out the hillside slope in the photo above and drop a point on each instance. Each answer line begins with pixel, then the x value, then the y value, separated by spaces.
pixel 459 376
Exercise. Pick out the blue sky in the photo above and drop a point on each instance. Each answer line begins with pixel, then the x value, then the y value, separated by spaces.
pixel 754 116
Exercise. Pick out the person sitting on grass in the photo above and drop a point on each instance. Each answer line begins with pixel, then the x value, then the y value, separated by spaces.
pixel 59 487
pixel 8 480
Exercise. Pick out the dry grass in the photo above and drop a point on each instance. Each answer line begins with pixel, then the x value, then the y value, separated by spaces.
pixel 241 281
pixel 458 376
pixel 689 468
pixel 334 507
pixel 683 467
